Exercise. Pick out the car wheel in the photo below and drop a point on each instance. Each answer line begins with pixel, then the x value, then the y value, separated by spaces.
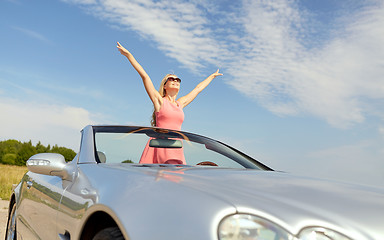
pixel 109 234
pixel 11 225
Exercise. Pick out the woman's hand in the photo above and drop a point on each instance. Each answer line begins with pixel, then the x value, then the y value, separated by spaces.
pixel 122 50
pixel 216 74
pixel 187 99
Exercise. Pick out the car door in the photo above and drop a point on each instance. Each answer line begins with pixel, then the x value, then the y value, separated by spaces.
pixel 78 196
pixel 40 196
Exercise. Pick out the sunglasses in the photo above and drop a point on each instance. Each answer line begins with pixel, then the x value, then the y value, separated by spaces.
pixel 173 79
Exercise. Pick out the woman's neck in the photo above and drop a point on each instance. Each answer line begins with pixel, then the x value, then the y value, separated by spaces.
pixel 171 98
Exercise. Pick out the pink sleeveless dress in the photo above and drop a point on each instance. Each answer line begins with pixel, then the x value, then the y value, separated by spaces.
pixel 170 116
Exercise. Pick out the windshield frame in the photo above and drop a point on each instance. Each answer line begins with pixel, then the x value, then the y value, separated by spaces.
pixel 243 159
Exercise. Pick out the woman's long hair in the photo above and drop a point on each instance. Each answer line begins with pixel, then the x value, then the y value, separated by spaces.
pixel 162 92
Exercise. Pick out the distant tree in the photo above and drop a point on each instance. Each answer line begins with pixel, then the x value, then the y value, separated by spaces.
pixel 17 153
pixel 8 147
pixel 127 161
pixel 9 158
pixel 40 148
pixel 68 154
pixel 26 151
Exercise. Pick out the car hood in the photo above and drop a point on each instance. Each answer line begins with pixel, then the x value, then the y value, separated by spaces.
pixel 291 201
pixel 287 198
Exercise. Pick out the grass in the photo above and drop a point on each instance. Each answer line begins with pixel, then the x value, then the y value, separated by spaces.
pixel 9 175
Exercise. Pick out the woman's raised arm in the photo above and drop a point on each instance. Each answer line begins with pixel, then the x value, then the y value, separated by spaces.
pixel 153 94
pixel 187 99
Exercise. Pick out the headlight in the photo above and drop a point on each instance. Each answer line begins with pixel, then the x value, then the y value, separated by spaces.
pixel 319 233
pixel 249 227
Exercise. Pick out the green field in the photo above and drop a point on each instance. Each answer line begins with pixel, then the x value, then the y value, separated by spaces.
pixel 9 175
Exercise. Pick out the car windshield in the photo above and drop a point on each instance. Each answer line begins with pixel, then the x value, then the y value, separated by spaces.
pixel 122 144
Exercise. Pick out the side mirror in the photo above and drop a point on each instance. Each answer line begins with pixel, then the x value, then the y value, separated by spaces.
pixel 165 143
pixel 49 164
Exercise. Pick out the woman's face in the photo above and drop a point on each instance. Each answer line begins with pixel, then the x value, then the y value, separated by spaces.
pixel 173 82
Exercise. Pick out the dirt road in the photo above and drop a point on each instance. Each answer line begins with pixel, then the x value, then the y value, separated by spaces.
pixel 3 217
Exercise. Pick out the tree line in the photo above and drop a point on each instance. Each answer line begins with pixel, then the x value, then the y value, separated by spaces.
pixel 14 152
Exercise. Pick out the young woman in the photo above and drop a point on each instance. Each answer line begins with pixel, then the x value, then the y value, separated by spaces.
pixel 168 110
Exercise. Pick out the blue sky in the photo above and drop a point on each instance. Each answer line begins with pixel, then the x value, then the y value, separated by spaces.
pixel 302 91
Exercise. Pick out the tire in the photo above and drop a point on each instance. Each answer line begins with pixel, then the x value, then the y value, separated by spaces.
pixel 10 234
pixel 111 233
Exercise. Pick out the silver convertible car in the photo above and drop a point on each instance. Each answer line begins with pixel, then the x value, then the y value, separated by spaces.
pixel 217 193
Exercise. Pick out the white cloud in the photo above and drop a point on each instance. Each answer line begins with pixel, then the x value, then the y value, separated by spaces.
pixel 33 34
pixel 335 81
pixel 381 130
pixel 41 87
pixel 48 123
pixel 263 46
pixel 80 1
pixel 14 1
pixel 176 27
pixel 360 162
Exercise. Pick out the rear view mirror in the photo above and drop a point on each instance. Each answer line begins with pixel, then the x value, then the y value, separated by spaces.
pixel 165 143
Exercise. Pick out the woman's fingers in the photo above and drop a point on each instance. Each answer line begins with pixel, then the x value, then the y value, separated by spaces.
pixel 119 46
pixel 217 73
pixel 122 49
